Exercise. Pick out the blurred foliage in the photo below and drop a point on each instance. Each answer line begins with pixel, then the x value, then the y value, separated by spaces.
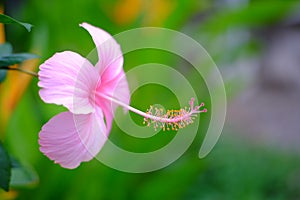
pixel 234 170
pixel 258 13
pixel 5 168
pixel 9 20
pixel 11 172
pixel 7 58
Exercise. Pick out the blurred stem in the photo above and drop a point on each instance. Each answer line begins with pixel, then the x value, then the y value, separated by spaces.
pixel 20 70
pixel 2 40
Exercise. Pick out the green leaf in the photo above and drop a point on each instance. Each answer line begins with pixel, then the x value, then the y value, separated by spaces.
pixel 8 20
pixel 2 75
pixel 5 168
pixel 16 58
pixel 22 175
pixel 5 49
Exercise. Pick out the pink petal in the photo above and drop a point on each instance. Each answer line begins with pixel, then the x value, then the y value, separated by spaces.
pixel 68 79
pixel 108 113
pixel 110 65
pixel 110 56
pixel 117 88
pixel 121 91
pixel 70 139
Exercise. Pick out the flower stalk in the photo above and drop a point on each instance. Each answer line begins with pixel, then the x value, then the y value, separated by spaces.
pixel 19 70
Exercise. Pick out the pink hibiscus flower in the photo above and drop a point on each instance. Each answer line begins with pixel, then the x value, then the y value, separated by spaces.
pixel 70 80
pixel 91 94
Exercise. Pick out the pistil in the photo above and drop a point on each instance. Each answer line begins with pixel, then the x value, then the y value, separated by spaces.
pixel 170 120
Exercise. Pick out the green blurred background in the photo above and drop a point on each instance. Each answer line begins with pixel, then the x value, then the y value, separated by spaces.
pixel 232 31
